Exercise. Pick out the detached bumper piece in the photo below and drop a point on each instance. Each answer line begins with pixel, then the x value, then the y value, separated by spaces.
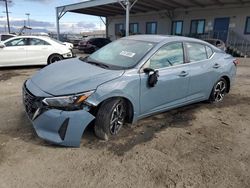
pixel 62 127
pixel 57 126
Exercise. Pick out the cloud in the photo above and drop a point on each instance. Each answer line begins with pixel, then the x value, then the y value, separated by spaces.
pixel 67 27
pixel 18 22
pixel 86 25
pixel 41 1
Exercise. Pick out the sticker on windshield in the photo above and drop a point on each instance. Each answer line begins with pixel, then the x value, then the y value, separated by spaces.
pixel 127 54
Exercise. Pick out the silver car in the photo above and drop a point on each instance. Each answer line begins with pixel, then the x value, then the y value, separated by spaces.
pixel 127 80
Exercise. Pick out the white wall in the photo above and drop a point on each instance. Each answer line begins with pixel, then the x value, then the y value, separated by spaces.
pixel 237 19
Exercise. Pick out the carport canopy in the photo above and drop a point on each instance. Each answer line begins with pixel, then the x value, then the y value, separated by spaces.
pixel 106 8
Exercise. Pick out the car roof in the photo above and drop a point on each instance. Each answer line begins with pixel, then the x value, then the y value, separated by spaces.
pixel 161 38
pixel 45 38
pixel 31 36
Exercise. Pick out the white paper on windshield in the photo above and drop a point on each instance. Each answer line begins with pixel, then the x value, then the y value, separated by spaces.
pixel 127 54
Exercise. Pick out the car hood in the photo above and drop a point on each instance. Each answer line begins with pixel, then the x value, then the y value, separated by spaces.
pixel 72 76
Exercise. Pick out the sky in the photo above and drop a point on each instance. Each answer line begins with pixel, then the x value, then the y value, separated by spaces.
pixel 43 17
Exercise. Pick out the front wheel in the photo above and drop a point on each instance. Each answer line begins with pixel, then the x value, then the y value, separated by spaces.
pixel 110 118
pixel 53 58
pixel 219 91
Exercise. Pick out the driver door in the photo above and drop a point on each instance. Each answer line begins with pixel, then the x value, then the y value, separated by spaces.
pixel 172 86
pixel 14 53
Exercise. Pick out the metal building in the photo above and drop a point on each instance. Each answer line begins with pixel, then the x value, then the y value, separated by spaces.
pixel 228 20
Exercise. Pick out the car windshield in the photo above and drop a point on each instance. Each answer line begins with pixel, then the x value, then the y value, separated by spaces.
pixel 121 54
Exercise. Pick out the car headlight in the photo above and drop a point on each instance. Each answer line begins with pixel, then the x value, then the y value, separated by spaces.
pixel 69 54
pixel 71 102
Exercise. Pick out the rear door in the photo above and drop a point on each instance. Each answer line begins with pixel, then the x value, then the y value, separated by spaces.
pixel 202 71
pixel 14 53
pixel 172 86
pixel 38 51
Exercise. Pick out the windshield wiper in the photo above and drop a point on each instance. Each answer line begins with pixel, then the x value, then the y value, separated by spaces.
pixel 98 64
pixel 85 59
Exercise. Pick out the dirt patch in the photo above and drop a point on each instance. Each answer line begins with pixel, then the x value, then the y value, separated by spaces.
pixel 7 75
pixel 145 130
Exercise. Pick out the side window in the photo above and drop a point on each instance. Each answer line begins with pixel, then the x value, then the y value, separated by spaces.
pixel 119 28
pixel 35 42
pixel 196 52
pixel 247 27
pixel 209 51
pixel 151 28
pixel 168 55
pixel 134 28
pixel 17 42
pixel 197 27
pixel 177 27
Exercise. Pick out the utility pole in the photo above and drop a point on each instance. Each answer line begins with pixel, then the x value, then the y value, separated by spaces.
pixel 28 20
pixel 7 14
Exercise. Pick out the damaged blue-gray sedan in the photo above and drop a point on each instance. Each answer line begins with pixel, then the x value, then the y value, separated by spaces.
pixel 127 80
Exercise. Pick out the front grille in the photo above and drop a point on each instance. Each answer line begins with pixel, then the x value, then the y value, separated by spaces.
pixel 31 102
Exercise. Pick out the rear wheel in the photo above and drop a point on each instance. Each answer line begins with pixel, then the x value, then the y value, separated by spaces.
pixel 54 57
pixel 219 91
pixel 110 118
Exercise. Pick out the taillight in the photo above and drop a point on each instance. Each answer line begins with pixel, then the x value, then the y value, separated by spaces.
pixel 236 62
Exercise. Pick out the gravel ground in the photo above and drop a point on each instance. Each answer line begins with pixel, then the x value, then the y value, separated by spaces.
pixel 201 145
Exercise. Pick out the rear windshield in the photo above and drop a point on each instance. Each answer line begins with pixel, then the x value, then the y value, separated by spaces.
pixel 122 53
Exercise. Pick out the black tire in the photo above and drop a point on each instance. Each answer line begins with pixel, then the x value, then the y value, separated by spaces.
pixel 110 118
pixel 219 91
pixel 54 57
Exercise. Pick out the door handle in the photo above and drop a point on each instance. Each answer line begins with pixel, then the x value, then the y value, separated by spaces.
pixel 216 66
pixel 183 74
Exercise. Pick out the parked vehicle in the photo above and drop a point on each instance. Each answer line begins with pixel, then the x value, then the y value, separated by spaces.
pixel 92 44
pixel 32 50
pixel 218 43
pixel 4 37
pixel 125 81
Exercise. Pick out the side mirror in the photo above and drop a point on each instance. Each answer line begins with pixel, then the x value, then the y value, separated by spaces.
pixel 152 76
pixel 2 45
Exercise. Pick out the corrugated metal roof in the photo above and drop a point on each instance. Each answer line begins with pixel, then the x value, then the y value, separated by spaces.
pixel 107 8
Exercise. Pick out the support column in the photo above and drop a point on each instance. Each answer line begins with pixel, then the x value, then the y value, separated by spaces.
pixel 57 24
pixel 127 3
pixel 59 14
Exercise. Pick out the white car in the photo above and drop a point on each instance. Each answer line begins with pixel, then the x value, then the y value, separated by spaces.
pixel 32 50
pixel 69 45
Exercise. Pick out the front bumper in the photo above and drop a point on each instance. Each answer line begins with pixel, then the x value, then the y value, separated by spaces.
pixel 68 55
pixel 56 126
pixel 62 127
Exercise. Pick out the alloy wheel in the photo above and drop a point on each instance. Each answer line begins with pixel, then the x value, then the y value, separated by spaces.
pixel 219 91
pixel 117 119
